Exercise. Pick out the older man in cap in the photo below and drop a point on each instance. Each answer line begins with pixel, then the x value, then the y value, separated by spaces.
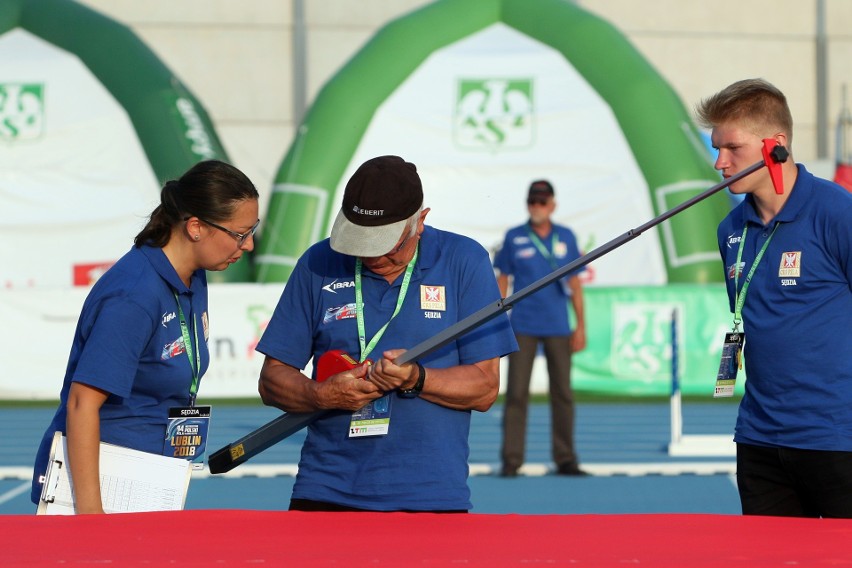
pixel 396 438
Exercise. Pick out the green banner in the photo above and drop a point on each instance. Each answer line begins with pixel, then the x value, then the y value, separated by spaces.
pixel 629 348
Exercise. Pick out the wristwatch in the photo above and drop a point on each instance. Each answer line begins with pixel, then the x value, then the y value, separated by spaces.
pixel 415 391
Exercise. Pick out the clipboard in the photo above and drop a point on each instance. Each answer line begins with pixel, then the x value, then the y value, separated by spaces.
pixel 131 481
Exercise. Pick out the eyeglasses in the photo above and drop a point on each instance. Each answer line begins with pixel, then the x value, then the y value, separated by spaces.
pixel 401 245
pixel 537 201
pixel 241 237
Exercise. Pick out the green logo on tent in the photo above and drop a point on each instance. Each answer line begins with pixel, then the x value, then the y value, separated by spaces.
pixel 494 114
pixel 21 111
pixel 641 335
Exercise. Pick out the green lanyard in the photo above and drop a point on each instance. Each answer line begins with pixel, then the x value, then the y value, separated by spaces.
pixel 548 255
pixel 554 240
pixel 741 294
pixel 359 305
pixel 194 365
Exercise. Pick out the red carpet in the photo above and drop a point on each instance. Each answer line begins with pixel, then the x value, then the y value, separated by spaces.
pixel 262 538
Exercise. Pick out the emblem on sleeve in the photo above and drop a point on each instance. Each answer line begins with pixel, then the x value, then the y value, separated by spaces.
pixel 338 313
pixel 791 264
pixel 735 270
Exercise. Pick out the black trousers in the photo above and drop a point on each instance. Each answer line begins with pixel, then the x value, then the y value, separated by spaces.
pixel 787 482
pixel 557 352
pixel 320 506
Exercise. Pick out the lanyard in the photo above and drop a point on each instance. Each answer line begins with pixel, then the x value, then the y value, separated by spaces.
pixel 547 254
pixel 194 365
pixel 741 294
pixel 359 305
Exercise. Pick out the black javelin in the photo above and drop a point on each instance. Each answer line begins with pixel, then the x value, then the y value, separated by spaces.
pixel 240 451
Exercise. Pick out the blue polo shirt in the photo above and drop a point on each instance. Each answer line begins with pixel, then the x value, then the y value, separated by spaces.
pixel 422 463
pixel 797 318
pixel 544 313
pixel 128 342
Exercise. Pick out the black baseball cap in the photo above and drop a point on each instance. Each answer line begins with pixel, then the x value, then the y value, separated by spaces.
pixel 539 189
pixel 379 199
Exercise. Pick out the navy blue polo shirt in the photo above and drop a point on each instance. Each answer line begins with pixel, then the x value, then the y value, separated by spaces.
pixel 797 317
pixel 128 342
pixel 544 313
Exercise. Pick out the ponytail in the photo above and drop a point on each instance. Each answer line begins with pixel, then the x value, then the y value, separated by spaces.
pixel 210 189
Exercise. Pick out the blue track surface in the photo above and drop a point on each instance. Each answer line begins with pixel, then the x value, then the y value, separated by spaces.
pixel 607 433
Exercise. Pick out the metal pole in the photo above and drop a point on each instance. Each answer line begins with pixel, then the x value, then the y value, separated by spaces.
pixel 240 451
pixel 821 82
pixel 675 402
pixel 844 129
pixel 299 59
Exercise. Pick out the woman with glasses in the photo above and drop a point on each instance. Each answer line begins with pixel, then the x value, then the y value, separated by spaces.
pixel 140 347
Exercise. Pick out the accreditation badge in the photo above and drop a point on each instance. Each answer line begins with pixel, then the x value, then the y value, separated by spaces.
pixel 371 420
pixel 726 378
pixel 186 434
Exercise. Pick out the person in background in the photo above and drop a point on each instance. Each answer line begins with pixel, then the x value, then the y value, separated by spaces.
pixel 530 252
pixel 382 283
pixel 130 361
pixel 788 268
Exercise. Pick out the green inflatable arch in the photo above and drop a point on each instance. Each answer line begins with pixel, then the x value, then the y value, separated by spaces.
pixel 665 143
pixel 172 126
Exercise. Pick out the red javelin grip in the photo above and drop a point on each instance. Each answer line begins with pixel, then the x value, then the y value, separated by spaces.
pixel 333 362
pixel 773 164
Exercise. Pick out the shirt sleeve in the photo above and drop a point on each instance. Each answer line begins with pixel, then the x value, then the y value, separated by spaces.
pixel 114 340
pixel 573 252
pixel 289 336
pixel 721 232
pixel 503 258
pixel 839 239
pixel 494 338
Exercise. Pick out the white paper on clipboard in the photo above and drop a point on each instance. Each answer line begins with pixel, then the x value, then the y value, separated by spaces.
pixel 131 481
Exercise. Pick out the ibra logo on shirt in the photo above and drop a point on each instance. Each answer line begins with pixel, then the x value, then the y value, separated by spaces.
pixel 168 317
pixel 334 286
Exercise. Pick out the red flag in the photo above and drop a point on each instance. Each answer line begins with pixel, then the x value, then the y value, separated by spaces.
pixel 88 274
pixel 843 176
pixel 774 167
pixel 843 172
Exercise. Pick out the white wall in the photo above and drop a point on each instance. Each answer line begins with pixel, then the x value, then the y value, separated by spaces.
pixel 236 56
